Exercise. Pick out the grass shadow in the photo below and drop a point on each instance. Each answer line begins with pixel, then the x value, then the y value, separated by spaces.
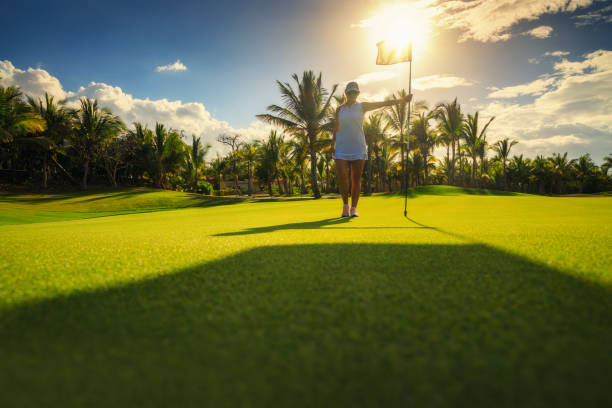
pixel 319 224
pixel 320 325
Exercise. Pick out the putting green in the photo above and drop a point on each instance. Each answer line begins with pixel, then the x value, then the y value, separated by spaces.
pixel 478 299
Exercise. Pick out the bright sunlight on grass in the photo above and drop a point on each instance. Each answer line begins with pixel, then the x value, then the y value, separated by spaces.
pixel 481 298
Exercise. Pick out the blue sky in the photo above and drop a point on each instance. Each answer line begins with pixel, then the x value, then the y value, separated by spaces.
pixel 234 51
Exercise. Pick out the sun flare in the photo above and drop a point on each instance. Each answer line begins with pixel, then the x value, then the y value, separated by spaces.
pixel 401 23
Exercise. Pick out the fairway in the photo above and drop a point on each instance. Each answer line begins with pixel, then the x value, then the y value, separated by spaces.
pixel 141 297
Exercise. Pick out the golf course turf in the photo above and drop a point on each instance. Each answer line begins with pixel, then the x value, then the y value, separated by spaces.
pixel 479 298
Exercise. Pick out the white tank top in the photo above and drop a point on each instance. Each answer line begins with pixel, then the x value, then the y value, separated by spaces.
pixel 350 139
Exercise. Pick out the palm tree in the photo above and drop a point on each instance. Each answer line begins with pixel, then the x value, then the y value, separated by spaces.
pixel 374 129
pixel 16 121
pixel 58 120
pixel 92 127
pixel 425 139
pixel 140 156
pixel 270 156
pixel 218 165
pixel 195 159
pixel 607 164
pixel 561 168
pixel 159 144
pixel 387 160
pixel 584 167
pixel 540 169
pixel 451 126
pixel 398 120
pixel 299 148
pixel 15 116
pixel 519 169
pixel 502 148
pixel 416 166
pixel 285 168
pixel 306 111
pixel 474 141
pixel 248 153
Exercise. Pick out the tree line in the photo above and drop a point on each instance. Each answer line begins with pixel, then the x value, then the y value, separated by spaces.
pixel 45 143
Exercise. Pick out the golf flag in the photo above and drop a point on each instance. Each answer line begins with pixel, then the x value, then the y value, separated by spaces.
pixel 389 53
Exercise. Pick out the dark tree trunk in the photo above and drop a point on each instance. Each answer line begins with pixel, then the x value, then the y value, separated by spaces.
pixel 236 183
pixel 425 156
pixel 403 166
pixel 452 167
pixel 45 171
pixel 368 186
pixel 474 171
pixel 313 167
pixel 302 184
pixel 85 171
pixel 250 182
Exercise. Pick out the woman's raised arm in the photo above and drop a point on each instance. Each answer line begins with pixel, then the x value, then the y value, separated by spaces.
pixel 368 106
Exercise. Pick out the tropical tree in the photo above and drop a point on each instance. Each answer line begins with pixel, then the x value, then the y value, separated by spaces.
pixel 607 164
pixel 451 126
pixel 269 157
pixel 561 168
pixel 299 146
pixel 93 126
pixel 195 159
pixel 249 153
pixel 218 166
pixel 374 129
pixel 398 119
pixel 520 168
pixel 306 110
pixel 139 155
pixel 475 141
pixel 540 170
pixel 58 125
pixel 425 139
pixel 584 168
pixel 16 122
pixel 502 148
pixel 387 157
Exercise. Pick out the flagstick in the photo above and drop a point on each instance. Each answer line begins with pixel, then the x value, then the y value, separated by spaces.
pixel 407 139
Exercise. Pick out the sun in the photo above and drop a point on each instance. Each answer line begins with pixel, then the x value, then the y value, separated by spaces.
pixel 401 23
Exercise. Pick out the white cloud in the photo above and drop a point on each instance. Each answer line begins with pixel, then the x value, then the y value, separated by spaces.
pixel 556 53
pixel 577 104
pixel 603 15
pixel 33 81
pixel 558 141
pixel 191 117
pixel 537 87
pixel 540 32
pixel 490 20
pixel 177 66
pixel 440 81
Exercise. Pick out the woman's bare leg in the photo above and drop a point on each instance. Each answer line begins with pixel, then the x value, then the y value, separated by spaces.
pixel 342 171
pixel 356 169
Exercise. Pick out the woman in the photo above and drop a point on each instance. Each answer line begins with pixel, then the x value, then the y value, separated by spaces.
pixel 350 149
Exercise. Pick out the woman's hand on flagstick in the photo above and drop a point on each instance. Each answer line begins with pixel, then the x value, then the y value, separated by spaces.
pixel 408 98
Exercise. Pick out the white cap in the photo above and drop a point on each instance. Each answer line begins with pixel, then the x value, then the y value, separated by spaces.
pixel 351 86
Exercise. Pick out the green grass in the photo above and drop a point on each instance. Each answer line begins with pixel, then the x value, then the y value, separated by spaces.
pixel 477 299
pixel 32 208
